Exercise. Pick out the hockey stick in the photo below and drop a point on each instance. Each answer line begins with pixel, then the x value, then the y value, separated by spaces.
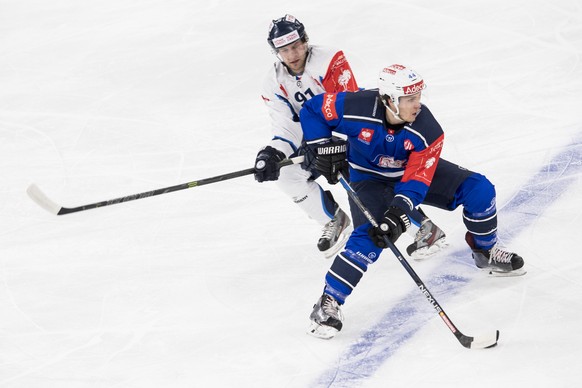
pixel 486 341
pixel 36 194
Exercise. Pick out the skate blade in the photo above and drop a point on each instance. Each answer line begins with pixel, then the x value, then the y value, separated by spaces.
pixel 426 252
pixel 499 274
pixel 339 244
pixel 321 331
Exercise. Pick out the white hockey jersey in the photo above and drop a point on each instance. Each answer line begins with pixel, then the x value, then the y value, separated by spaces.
pixel 326 70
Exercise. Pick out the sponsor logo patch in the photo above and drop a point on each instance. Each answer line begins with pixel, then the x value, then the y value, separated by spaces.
pixel 415 88
pixel 286 39
pixel 299 200
pixel 332 149
pixel 389 162
pixel 328 108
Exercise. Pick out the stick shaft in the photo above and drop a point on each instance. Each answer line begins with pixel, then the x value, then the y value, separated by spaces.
pixel 463 339
pixel 36 194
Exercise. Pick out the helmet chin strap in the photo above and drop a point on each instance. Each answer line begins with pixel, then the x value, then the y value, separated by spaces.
pixel 395 114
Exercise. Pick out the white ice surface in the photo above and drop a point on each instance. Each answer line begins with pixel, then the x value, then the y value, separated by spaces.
pixel 213 286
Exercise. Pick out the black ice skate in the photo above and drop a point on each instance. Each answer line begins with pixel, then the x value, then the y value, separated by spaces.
pixel 496 261
pixel 335 234
pixel 326 318
pixel 428 240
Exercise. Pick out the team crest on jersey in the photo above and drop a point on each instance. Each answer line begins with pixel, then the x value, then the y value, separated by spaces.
pixel 344 79
pixel 389 162
pixel 408 146
pixel 366 135
pixel 429 163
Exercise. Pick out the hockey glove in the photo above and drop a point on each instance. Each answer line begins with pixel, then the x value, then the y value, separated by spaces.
pixel 328 158
pixel 394 223
pixel 267 164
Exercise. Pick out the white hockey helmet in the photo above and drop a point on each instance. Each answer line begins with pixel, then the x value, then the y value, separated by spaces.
pixel 396 81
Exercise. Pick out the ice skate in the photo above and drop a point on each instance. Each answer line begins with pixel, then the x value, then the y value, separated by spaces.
pixel 497 261
pixel 326 318
pixel 335 234
pixel 428 240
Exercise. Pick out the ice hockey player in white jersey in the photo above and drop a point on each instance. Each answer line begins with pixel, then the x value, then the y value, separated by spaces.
pixel 301 72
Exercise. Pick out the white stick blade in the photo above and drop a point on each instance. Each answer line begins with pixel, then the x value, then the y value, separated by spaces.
pixel 36 194
pixel 485 341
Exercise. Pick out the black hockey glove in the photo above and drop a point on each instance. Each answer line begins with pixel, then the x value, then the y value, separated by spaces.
pixel 267 164
pixel 394 223
pixel 328 158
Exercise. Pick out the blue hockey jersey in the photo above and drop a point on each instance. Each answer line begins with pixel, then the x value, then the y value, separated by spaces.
pixel 407 153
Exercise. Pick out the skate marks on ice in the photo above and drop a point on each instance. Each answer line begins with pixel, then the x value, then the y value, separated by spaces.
pixel 543 189
pixel 383 339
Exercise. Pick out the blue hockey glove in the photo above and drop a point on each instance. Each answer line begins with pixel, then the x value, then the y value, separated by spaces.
pixel 267 164
pixel 393 224
pixel 328 158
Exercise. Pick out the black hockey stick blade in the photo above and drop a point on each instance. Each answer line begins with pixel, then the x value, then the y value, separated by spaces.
pixel 41 199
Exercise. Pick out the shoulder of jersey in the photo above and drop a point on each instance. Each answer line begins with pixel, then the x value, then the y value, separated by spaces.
pixel 270 80
pixel 362 95
pixel 320 58
pixel 363 103
pixel 425 116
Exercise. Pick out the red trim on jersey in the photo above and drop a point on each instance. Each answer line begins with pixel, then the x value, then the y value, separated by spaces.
pixel 318 83
pixel 422 165
pixel 339 76
pixel 283 90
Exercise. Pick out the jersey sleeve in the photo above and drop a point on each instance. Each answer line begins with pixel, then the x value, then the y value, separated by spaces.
pixel 321 115
pixel 339 76
pixel 426 143
pixel 285 127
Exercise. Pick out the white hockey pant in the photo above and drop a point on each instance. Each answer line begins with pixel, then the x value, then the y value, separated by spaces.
pixel 308 195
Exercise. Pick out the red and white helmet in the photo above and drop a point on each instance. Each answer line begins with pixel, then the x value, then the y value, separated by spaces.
pixel 396 81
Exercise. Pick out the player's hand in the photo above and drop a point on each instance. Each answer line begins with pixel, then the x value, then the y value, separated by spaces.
pixel 267 164
pixel 328 158
pixel 393 224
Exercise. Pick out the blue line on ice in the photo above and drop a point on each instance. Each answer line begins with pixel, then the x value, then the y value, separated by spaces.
pixel 379 342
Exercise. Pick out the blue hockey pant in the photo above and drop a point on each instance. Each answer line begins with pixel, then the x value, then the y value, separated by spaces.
pixel 452 186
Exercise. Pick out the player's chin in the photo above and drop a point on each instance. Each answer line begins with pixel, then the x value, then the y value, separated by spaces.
pixel 295 65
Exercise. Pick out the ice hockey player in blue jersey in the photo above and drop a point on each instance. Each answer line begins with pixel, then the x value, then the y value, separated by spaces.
pixel 301 72
pixel 393 160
